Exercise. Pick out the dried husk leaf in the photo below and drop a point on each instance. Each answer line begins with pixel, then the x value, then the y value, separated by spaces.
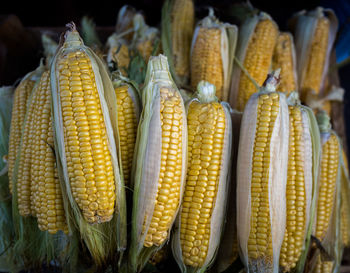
pixel 102 240
pixel 304 25
pixel 277 180
pixel 125 21
pixel 146 165
pixel 50 47
pixel 206 94
pixel 229 35
pixel 246 32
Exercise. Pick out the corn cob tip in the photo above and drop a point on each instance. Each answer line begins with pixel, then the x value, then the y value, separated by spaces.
pixel 206 92
pixel 272 81
pixel 71 36
pixel 324 121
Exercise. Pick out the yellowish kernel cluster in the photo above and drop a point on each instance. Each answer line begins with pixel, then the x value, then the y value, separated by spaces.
pixel 323 267
pixel 206 62
pixel 182 22
pixel 283 58
pixel 206 132
pixel 168 192
pixel 257 60
pixel 328 177
pixel 88 157
pixel 260 239
pixel 127 127
pixel 312 78
pixel 19 108
pixel 295 194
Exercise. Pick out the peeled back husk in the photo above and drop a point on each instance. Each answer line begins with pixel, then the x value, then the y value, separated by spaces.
pixel 277 179
pixel 101 239
pixel 147 159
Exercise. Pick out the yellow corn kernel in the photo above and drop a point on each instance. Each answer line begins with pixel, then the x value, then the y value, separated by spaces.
pixel 312 78
pixel 18 113
pixel 182 22
pixel 206 131
pixel 257 60
pixel 88 158
pixel 206 62
pixel 127 126
pixel 328 177
pixel 168 193
pixel 283 58
pixel 260 239
pixel 293 239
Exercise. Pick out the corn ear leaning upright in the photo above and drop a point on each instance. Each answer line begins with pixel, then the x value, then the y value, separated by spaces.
pixel 262 177
pixel 314 34
pixel 159 167
pixel 86 143
pixel 200 221
pixel 255 46
pixel 345 205
pixel 212 52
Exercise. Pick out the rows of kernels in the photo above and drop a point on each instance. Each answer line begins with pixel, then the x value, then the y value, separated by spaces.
pixel 127 127
pixel 328 177
pixel 260 241
pixel 206 131
pixel 168 192
pixel 295 194
pixel 182 22
pixel 257 60
pixel 283 58
pixel 344 224
pixel 206 62
pixel 323 267
pixel 89 163
pixel 23 175
pixel 317 58
pixel 18 113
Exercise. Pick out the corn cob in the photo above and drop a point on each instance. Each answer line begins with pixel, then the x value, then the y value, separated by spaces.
pixel 45 194
pixel 19 109
pixel 128 118
pixel 256 43
pixel 301 181
pixel 323 267
pixel 345 212
pixel 159 163
pixel 212 51
pixel 182 24
pixel 314 34
pixel 284 58
pixel 262 177
pixel 86 144
pixel 200 220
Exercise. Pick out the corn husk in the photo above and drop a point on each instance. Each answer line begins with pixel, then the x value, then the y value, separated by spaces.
pixel 246 32
pixel 304 24
pixel 277 178
pixel 146 164
pixel 105 239
pixel 50 47
pixel 125 21
pixel 228 249
pixel 89 33
pixel 312 162
pixel 206 94
pixel 167 38
pixel 229 34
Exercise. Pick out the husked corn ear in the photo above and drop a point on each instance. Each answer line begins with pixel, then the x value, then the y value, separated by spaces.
pixel 345 211
pixel 261 178
pixel 327 184
pixel 202 210
pixel 323 267
pixel 345 223
pixel 46 195
pixel 316 60
pixel 159 165
pixel 19 108
pixel 182 24
pixel 127 126
pixel 257 59
pixel 299 186
pixel 284 58
pixel 206 60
